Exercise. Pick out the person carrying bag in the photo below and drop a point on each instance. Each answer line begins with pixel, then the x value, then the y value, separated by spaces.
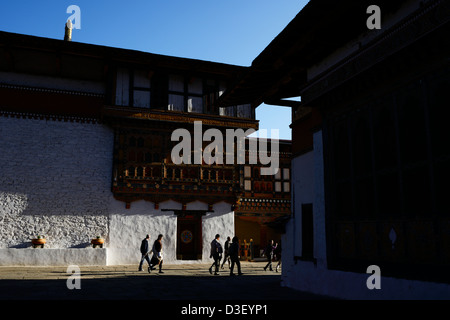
pixel 157 258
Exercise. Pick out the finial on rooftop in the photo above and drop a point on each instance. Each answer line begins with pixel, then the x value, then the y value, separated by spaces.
pixel 68 31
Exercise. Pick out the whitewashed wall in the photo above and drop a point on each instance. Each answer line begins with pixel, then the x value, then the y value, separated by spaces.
pixel 221 221
pixel 55 181
pixel 128 228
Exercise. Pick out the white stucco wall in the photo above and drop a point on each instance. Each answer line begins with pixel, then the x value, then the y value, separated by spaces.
pixel 308 176
pixel 221 222
pixel 128 228
pixel 53 257
pixel 55 181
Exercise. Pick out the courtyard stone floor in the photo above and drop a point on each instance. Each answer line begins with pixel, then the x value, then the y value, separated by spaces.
pixel 178 282
pixel 183 290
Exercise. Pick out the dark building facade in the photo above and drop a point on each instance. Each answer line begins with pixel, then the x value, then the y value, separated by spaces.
pixel 370 158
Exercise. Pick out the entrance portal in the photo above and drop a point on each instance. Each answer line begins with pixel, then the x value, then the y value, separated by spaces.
pixel 189 235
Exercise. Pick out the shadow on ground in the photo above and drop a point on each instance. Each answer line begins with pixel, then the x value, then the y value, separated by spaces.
pixel 153 287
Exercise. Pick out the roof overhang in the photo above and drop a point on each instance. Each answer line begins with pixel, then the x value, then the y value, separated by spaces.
pixel 280 71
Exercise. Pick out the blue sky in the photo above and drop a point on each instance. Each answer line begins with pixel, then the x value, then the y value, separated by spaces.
pixel 231 31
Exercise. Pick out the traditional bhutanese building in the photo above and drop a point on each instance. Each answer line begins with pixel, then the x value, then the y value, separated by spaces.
pixel 86 152
pixel 370 158
pixel 265 201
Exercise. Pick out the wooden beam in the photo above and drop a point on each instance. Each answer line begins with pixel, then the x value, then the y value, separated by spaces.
pixel 283 103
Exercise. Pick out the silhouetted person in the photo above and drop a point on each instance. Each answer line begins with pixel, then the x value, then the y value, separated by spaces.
pixel 234 255
pixel 277 253
pixel 157 258
pixel 269 255
pixel 145 253
pixel 216 254
pixel 227 254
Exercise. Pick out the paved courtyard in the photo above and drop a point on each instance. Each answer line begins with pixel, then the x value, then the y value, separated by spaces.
pixel 181 291
pixel 178 282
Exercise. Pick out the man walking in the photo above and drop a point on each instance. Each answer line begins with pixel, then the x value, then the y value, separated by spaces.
pixel 234 255
pixel 216 254
pixel 157 258
pixel 145 253
pixel 277 253
pixel 227 254
pixel 269 255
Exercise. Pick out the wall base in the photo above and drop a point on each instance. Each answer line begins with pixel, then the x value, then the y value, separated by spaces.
pixel 53 257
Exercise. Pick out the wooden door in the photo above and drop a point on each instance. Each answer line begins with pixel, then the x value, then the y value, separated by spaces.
pixel 189 237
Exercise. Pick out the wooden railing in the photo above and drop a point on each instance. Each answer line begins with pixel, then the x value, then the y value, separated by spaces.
pixel 173 172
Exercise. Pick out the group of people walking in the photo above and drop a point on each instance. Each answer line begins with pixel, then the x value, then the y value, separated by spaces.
pixel 230 254
pixel 273 251
pixel 157 258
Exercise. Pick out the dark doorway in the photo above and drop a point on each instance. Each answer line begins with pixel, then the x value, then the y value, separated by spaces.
pixel 307 231
pixel 189 235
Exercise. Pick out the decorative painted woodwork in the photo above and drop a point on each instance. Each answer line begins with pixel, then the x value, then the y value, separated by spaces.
pixel 266 194
pixel 143 170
